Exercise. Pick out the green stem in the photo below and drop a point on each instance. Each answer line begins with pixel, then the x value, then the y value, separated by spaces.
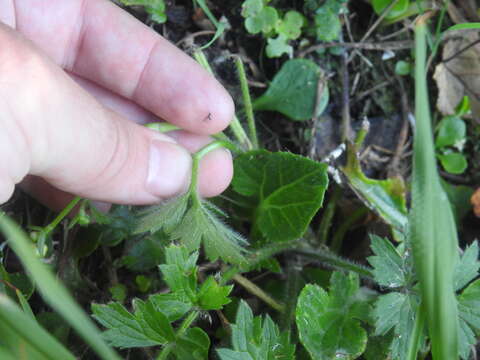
pixel 258 292
pixel 50 227
pixel 247 102
pixel 196 163
pixel 337 240
pixel 335 261
pixel 235 125
pixel 292 289
pixel 181 330
pixel 328 216
pixel 257 257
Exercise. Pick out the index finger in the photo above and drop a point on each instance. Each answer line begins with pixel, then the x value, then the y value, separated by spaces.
pixel 97 40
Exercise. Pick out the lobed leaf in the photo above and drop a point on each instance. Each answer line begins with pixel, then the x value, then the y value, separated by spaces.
pixel 388 267
pixel 328 323
pixel 257 339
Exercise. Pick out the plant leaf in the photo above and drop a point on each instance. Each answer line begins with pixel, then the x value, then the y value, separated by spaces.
pixel 469 318
pixel 385 197
pixel 25 338
pixel 328 323
pixel 288 188
pixel 212 296
pixel 291 25
pixel 192 345
pixel 180 271
pixel 123 328
pixel 167 215
pixel 388 267
pixel 293 91
pixel 397 311
pixel 172 305
pixel 453 162
pixel 467 268
pixel 327 22
pixel 451 131
pixel 254 339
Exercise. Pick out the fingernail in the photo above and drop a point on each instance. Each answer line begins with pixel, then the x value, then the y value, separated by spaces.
pixel 168 170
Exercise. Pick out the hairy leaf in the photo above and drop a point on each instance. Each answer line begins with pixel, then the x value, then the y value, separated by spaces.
pixel 123 328
pixel 288 189
pixel 467 268
pixel 396 311
pixel 388 267
pixel 469 318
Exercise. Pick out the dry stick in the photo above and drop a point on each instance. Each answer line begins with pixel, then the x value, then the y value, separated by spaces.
pixel 376 24
pixel 346 129
pixel 382 46
pixel 321 84
pixel 393 167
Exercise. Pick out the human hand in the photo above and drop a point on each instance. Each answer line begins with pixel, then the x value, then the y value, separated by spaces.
pixel 77 78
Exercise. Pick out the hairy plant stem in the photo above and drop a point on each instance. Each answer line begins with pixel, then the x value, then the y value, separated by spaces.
pixel 247 101
pixel 235 125
pixel 186 323
pixel 258 292
pixel 337 240
pixel 335 261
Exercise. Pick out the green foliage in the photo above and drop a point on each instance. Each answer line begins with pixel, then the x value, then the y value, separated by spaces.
pixel 403 68
pixel 398 9
pixel 257 339
pixel 433 233
pixel 327 21
pixel 385 197
pixel 154 8
pixel 287 190
pixel 261 18
pixel 388 265
pixel 449 142
pixel 293 91
pixel 53 292
pixel 193 221
pixel 150 323
pixel 329 323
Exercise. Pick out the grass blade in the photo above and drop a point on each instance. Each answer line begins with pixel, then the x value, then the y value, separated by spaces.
pixel 54 293
pixel 432 227
pixel 18 329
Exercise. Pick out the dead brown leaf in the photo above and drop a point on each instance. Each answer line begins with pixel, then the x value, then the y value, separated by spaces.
pixel 459 72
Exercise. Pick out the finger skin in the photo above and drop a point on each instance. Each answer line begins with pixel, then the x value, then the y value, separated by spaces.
pixel 53 129
pixel 98 41
pixel 216 168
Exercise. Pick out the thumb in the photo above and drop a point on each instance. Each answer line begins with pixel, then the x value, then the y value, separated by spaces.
pixel 52 128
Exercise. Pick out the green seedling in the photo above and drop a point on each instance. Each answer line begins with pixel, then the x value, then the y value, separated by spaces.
pixel 449 143
pixel 254 338
pixel 151 323
pixel 278 30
